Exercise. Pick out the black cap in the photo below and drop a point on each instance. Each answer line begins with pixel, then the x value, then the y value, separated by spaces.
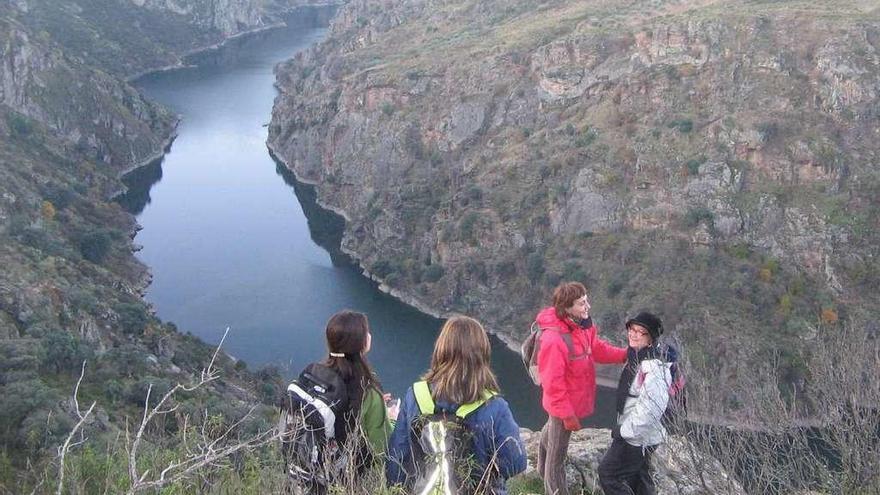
pixel 650 321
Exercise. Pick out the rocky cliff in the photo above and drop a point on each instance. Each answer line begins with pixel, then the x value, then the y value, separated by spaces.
pixel 715 161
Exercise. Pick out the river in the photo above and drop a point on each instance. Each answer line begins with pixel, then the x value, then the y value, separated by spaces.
pixel 232 240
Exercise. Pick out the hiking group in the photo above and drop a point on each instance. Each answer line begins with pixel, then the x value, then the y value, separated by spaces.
pixel 453 432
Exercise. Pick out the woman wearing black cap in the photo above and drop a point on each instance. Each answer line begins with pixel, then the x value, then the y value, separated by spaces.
pixel 642 396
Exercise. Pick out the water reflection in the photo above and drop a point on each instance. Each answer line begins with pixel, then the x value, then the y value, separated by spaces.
pixel 325 226
pixel 139 182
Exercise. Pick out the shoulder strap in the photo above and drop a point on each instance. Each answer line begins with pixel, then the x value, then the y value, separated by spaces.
pixel 426 402
pixel 566 337
pixel 423 397
pixel 465 409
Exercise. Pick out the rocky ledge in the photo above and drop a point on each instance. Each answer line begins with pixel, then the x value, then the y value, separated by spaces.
pixel 679 469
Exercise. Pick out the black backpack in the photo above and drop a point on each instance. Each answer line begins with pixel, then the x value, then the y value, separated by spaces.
pixel 315 420
pixel 443 447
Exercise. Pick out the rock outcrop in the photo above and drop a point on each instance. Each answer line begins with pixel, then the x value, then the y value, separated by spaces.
pixel 677 467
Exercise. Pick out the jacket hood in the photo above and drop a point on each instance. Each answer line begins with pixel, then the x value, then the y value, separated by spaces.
pixel 547 318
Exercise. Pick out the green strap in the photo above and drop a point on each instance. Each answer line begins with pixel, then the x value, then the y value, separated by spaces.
pixel 423 397
pixel 466 409
pixel 426 402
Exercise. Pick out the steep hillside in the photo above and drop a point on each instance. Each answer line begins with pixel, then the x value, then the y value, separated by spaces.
pixel 70 287
pixel 127 37
pixel 715 161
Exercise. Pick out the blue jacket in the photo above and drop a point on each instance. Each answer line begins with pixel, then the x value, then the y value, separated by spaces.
pixel 494 433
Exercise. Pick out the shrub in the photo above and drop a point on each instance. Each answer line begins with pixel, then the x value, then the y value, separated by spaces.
pixel 696 215
pixel 47 210
pixel 95 246
pixel 768 131
pixel 20 125
pixel 62 352
pixel 587 138
pixel 829 316
pixel 382 268
pixel 534 266
pixel 684 126
pixel 133 317
pixel 59 196
pixel 474 193
pixel 467 227
pixel 433 273
pixel 388 108
pixel 436 158
pixel 693 165
pixel 616 284
pixel 506 269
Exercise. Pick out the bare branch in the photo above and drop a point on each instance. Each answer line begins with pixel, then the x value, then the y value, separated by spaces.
pixel 65 448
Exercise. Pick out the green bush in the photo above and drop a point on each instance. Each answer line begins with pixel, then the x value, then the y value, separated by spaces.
pixel 696 215
pixel 587 138
pixel 95 246
pixel 535 266
pixel 21 399
pixel 693 165
pixel 133 317
pixel 467 227
pixel 433 273
pixel 684 126
pixel 63 353
pixel 382 268
pixel 20 125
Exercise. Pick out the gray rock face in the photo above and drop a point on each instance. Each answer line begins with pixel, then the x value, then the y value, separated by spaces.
pixel 588 209
pixel 226 16
pixel 88 108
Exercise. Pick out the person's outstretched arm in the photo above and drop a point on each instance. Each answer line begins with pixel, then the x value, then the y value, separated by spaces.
pixel 605 353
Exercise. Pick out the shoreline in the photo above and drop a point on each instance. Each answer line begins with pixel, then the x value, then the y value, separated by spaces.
pixel 152 158
pixel 202 50
pixel 604 377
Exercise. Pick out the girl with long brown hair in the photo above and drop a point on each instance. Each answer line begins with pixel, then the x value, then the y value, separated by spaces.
pixel 459 379
pixel 348 341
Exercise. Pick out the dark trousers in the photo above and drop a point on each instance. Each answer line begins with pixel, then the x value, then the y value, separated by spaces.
pixel 551 456
pixel 625 470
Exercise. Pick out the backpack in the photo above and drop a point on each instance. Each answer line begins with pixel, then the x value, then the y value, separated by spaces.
pixel 314 426
pixel 676 390
pixel 675 408
pixel 445 463
pixel 531 346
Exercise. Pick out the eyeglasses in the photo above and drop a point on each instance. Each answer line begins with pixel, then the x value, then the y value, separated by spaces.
pixel 633 329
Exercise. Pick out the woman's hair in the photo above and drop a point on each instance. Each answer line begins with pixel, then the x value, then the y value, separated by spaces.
pixel 347 334
pixel 460 371
pixel 564 296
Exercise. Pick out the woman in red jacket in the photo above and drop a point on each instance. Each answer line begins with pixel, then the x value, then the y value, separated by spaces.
pixel 570 347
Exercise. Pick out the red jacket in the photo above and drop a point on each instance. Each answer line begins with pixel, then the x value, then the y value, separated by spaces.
pixel 569 387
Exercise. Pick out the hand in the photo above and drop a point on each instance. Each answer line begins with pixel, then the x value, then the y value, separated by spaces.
pixel 571 423
pixel 615 433
pixel 392 407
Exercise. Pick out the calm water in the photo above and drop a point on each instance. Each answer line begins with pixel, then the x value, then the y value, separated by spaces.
pixel 233 241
